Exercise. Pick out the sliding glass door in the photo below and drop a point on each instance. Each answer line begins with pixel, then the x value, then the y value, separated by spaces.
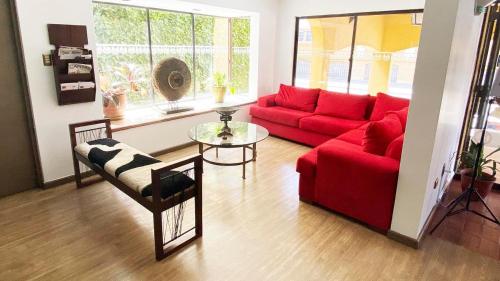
pixel 359 53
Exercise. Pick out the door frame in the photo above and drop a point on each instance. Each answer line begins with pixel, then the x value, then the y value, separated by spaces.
pixel 27 96
pixel 484 68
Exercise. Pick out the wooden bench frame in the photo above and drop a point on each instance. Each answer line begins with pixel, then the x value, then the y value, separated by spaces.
pixel 157 205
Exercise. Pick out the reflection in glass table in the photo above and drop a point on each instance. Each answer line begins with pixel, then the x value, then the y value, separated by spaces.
pixel 244 135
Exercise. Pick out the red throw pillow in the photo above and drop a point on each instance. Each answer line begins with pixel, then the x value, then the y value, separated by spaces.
pixel 402 115
pixel 386 103
pixel 395 148
pixel 342 105
pixel 297 98
pixel 379 134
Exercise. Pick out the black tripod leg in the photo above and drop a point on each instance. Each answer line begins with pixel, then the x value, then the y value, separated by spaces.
pixel 495 219
pixel 455 203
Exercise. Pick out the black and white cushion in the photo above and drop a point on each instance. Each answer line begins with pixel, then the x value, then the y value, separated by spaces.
pixel 132 167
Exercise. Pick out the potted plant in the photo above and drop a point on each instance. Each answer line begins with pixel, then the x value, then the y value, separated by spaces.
pixel 114 103
pixel 115 95
pixel 219 86
pixel 485 178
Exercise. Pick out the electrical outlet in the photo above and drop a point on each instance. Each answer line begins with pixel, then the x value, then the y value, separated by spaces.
pixel 47 59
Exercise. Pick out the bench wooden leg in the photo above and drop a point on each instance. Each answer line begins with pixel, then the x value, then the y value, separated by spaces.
pixel 158 233
pixel 78 173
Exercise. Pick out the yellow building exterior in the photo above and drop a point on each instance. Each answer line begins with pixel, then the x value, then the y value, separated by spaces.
pixel 381 35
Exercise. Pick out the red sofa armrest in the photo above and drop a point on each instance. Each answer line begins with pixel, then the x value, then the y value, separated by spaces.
pixel 267 101
pixel 357 183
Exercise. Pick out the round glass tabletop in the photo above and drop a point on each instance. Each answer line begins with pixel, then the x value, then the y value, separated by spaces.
pixel 243 133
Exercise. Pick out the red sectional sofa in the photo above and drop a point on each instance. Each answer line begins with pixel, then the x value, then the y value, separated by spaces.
pixel 353 167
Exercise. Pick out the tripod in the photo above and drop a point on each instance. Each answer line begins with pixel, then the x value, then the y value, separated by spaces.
pixel 467 194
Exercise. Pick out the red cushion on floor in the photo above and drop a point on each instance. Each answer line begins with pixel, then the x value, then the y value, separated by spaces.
pixel 379 134
pixel 386 103
pixel 306 164
pixel 342 105
pixel 395 148
pixel 327 125
pixel 297 98
pixel 354 136
pixel 402 115
pixel 278 114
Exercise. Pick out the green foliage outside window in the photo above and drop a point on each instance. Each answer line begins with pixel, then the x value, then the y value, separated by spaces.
pixel 122 39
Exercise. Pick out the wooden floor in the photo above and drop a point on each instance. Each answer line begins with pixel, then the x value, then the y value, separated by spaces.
pixel 253 230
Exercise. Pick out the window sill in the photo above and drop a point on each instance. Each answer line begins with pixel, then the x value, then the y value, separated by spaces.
pixel 151 115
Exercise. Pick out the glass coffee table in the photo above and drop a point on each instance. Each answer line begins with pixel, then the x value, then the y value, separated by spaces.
pixel 241 134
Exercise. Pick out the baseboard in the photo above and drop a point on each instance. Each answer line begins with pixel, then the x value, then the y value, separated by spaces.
pixel 66 180
pixel 412 242
pixel 87 174
pixel 172 149
pixel 403 239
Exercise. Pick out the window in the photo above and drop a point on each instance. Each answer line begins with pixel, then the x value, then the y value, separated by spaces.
pixel 358 54
pixel 131 40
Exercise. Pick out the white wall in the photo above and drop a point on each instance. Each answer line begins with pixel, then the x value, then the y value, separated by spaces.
pixel 52 121
pixel 290 9
pixel 443 76
pixel 159 136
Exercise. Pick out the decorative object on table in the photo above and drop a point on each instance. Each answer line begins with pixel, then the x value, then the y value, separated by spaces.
pixel 244 135
pixel 72 64
pixel 219 86
pixel 485 174
pixel 226 116
pixel 172 78
pixel 477 167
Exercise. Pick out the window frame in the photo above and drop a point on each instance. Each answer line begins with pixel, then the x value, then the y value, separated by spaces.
pixel 355 16
pixel 152 93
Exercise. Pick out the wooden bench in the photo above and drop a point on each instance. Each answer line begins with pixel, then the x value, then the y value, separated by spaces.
pixel 155 185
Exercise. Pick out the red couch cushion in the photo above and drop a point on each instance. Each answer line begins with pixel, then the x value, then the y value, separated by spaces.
pixel 297 98
pixel 278 114
pixel 327 125
pixel 402 115
pixel 369 108
pixel 354 136
pixel 395 148
pixel 267 101
pixel 342 105
pixel 386 103
pixel 379 134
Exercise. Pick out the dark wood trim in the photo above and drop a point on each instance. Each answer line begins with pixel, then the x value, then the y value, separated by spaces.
pixel 172 149
pixel 295 50
pixel 375 13
pixel 116 126
pixel 403 239
pixel 27 95
pixel 351 58
pixel 412 242
pixel 68 179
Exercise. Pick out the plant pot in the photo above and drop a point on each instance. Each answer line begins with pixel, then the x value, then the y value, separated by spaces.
pixel 483 184
pixel 219 93
pixel 115 110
